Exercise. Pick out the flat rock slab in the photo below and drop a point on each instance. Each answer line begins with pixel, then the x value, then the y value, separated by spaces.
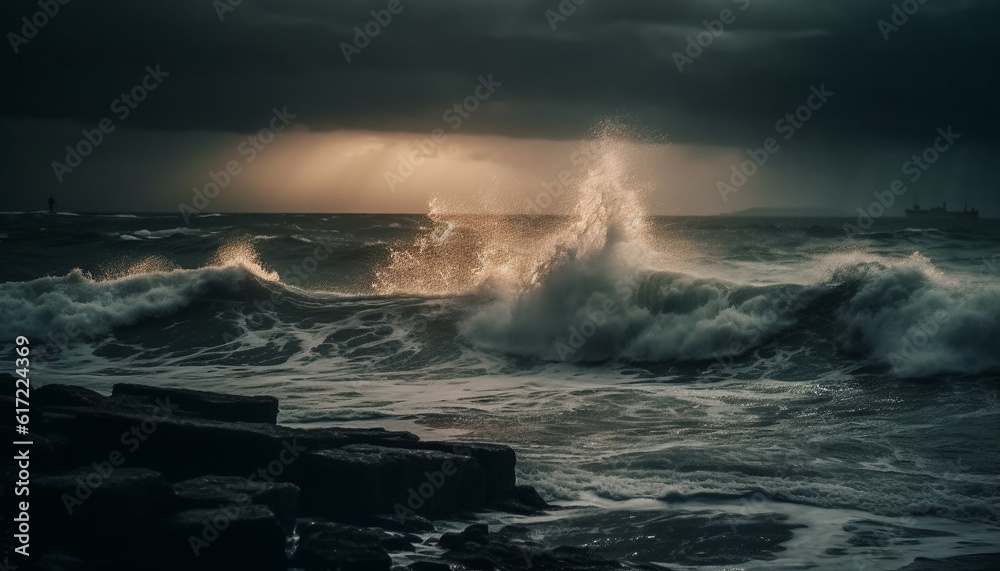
pixel 498 462
pixel 214 406
pixel 87 510
pixel 68 395
pixel 247 538
pixel 359 481
pixel 213 492
pixel 184 448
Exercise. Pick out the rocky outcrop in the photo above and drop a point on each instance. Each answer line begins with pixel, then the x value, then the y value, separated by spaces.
pixel 246 537
pixel 325 546
pixel 68 395
pixel 161 479
pixel 360 481
pixel 160 438
pixel 212 406
pixel 523 500
pixel 209 492
pixel 496 460
pixel 87 511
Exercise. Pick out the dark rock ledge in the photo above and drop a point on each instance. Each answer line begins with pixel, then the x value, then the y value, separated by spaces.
pixel 167 479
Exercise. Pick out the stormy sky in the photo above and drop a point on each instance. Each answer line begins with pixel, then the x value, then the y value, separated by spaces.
pixel 535 77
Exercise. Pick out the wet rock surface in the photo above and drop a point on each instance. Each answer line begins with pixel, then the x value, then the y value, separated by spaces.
pixel 212 406
pixel 214 491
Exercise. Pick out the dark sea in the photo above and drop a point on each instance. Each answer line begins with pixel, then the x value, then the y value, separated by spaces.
pixel 703 393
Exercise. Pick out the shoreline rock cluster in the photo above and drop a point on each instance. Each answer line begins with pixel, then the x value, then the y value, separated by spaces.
pixel 156 478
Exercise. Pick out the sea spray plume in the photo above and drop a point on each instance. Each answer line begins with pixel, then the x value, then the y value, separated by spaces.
pixel 238 252
pixel 506 255
pixel 580 283
pixel 453 255
pixel 460 253
pixel 607 217
pixel 241 253
pixel 122 268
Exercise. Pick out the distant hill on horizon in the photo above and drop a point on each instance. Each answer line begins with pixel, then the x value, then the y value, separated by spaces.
pixel 790 213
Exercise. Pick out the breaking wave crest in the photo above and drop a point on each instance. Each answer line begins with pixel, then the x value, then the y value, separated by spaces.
pixel 79 304
pixel 919 322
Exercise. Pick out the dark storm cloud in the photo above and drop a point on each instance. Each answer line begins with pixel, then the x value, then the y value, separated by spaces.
pixel 606 58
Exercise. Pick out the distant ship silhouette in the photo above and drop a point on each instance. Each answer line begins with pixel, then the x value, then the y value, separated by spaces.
pixel 942 213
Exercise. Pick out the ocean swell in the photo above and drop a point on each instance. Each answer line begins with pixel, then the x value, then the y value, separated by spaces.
pixel 920 324
pixel 902 315
pixel 78 305
pixel 595 311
